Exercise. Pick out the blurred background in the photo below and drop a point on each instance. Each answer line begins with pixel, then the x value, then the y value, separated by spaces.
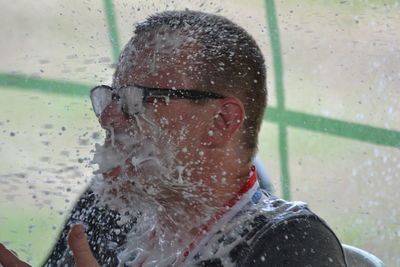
pixel 330 137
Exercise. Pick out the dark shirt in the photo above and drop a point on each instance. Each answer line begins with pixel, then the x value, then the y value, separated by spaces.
pixel 273 232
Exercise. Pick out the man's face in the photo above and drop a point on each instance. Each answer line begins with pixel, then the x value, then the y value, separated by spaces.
pixel 163 63
pixel 165 142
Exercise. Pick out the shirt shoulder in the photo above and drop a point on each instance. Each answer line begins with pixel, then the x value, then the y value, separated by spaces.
pixel 275 232
pixel 289 234
pixel 102 228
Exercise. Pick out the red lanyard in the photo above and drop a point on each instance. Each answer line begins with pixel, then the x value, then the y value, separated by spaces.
pixel 221 212
pixel 218 215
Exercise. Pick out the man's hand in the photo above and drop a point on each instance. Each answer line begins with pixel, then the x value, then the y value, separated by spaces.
pixel 77 242
pixel 79 245
pixel 8 258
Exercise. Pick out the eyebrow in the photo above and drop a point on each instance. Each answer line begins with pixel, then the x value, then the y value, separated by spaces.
pixel 183 93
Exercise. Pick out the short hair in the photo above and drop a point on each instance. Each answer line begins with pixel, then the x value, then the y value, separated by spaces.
pixel 232 62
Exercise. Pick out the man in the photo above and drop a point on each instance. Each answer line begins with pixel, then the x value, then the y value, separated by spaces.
pixel 175 184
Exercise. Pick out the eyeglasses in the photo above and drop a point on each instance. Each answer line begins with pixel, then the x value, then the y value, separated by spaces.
pixel 133 97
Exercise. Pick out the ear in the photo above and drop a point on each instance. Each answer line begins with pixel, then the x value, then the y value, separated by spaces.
pixel 228 117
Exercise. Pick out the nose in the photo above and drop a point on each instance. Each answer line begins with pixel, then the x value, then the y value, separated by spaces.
pixel 113 117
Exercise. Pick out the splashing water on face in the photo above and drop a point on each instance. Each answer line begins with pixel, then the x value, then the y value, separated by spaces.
pixel 139 176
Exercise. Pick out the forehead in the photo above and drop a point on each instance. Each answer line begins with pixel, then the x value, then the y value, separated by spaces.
pixel 161 59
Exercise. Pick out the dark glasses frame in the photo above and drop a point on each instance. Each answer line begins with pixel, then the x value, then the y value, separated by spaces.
pixel 155 92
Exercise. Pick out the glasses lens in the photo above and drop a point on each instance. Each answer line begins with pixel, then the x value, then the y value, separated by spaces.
pixel 101 97
pixel 132 99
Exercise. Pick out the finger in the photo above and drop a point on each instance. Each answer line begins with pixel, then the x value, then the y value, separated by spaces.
pixel 14 252
pixel 80 247
pixel 8 259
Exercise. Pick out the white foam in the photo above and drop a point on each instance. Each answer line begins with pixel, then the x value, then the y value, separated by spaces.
pixel 150 183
